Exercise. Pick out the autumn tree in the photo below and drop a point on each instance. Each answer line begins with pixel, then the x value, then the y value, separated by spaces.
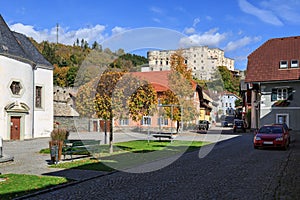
pixel 119 94
pixel 85 99
pixel 181 91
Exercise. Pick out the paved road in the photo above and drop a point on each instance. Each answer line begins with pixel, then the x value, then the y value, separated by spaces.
pixel 232 170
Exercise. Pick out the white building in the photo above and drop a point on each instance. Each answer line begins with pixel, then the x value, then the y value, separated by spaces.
pixel 227 103
pixel 26 85
pixel 202 60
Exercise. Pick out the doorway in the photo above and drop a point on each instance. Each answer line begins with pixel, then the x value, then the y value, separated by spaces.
pixel 15 128
pixel 282 118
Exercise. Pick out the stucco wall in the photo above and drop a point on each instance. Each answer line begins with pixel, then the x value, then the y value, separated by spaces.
pixel 268 111
pixel 13 70
pixel 44 116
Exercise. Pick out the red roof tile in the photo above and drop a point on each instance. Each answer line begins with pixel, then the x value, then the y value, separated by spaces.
pixel 263 63
pixel 158 79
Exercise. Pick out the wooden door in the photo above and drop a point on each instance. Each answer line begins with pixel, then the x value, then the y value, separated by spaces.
pixel 15 128
pixel 95 126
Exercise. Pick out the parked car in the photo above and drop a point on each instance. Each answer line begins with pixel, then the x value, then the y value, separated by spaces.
pixel 275 135
pixel 238 124
pixel 203 125
pixel 224 124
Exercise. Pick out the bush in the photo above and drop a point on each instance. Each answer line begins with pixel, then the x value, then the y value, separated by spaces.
pixel 59 134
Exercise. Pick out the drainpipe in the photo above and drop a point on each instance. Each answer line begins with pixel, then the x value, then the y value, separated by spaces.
pixel 33 98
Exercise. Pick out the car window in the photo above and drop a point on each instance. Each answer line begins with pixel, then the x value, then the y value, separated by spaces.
pixel 270 129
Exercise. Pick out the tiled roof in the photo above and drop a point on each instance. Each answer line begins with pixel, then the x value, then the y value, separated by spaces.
pixel 263 63
pixel 158 79
pixel 18 46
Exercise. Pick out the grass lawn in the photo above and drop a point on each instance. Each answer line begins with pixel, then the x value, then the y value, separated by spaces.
pixel 16 185
pixel 132 153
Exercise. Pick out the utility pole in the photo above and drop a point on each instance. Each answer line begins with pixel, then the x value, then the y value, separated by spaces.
pixel 57 26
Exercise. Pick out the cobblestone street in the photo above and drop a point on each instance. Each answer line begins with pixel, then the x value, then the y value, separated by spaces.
pixel 232 170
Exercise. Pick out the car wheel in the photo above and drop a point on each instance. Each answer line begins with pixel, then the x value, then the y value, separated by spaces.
pixel 255 147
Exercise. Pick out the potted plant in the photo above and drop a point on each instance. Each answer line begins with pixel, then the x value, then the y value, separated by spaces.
pixel 58 136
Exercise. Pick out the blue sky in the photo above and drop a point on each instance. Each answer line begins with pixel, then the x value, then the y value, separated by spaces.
pixel 236 26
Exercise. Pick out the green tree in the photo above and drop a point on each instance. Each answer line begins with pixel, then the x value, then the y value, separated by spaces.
pixel 229 82
pixel 49 52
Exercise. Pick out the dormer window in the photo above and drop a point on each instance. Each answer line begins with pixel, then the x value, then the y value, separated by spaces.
pixel 283 64
pixel 294 63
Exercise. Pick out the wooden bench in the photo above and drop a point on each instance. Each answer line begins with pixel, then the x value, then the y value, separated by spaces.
pixel 169 136
pixel 80 147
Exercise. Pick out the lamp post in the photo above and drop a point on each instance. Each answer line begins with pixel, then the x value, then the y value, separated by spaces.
pixel 172 110
pixel 1 147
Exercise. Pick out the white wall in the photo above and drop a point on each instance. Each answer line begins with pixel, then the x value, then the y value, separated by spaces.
pixel 10 70
pixel 44 116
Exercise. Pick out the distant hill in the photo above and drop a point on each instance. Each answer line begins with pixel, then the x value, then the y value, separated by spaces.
pixel 76 64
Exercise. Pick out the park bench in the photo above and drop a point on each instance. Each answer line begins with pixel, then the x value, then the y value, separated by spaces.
pixel 160 135
pixel 80 147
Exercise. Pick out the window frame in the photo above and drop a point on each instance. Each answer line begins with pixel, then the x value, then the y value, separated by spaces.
pixel 283 66
pixel 124 122
pixel 146 120
pixel 41 97
pixel 282 94
pixel 295 65
pixel 162 121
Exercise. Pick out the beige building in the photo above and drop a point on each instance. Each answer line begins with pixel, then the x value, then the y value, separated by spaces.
pixel 201 59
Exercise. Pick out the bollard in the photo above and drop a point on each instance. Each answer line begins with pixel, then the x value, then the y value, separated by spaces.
pixel 54 154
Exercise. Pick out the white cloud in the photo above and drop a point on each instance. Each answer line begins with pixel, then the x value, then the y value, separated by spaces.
pixel 65 36
pixel 156 20
pixel 117 30
pixel 210 38
pixel 189 30
pixel 237 44
pixel 287 10
pixel 209 18
pixel 264 15
pixel 156 10
pixel 196 21
pixel 234 45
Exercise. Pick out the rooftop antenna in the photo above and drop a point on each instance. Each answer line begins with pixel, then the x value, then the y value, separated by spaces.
pixel 57 26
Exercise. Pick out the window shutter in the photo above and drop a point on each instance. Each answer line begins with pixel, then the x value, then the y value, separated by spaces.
pixel 274 95
pixel 290 93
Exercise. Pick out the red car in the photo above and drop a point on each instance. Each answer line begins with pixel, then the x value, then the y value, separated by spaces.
pixel 275 135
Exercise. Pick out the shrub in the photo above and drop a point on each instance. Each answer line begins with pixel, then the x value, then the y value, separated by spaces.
pixel 59 134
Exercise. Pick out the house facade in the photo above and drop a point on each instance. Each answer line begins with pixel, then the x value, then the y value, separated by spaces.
pixel 227 103
pixel 159 80
pixel 273 74
pixel 26 84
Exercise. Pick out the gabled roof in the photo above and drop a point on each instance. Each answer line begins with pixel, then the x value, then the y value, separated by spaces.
pixel 19 47
pixel 158 79
pixel 31 51
pixel 263 63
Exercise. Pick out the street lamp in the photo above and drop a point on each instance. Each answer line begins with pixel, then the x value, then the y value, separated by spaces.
pixel 1 146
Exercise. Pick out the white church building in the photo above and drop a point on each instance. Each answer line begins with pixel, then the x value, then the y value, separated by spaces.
pixel 26 85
